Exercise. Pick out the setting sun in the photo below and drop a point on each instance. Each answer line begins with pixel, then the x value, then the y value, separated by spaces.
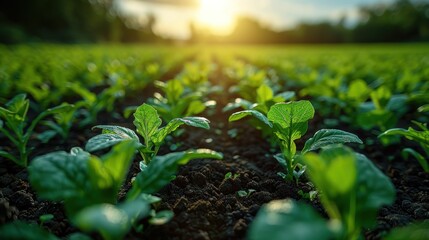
pixel 216 15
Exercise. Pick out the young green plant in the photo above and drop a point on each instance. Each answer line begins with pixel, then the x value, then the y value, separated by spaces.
pixel 289 122
pixel 148 124
pixel 421 137
pixel 352 191
pixel 14 122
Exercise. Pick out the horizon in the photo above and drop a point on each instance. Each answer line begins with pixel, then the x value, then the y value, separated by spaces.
pixel 218 17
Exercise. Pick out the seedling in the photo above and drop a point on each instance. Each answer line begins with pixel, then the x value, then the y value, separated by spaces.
pixel 288 123
pixel 421 137
pixel 15 127
pixel 245 193
pixel 148 123
pixel 229 175
pixel 89 185
pixel 45 218
pixel 351 199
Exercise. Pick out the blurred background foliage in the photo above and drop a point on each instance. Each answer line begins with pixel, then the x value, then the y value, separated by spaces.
pixel 88 21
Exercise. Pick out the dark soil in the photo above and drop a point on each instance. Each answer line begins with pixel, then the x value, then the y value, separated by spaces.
pixel 205 204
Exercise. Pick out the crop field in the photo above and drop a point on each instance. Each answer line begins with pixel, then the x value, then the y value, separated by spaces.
pixel 214 142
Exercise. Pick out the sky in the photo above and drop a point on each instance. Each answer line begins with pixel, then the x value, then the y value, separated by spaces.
pixel 173 17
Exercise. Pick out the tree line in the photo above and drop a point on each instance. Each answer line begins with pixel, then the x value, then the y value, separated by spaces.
pixel 99 21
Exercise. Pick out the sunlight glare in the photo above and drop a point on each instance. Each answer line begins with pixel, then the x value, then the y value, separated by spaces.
pixel 216 15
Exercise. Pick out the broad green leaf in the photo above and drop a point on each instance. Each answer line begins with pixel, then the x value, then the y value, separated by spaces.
pixel 116 135
pixel 374 190
pixel 290 122
pixel 112 222
pixel 124 132
pixel 239 115
pixel 199 122
pixel 380 97
pixel 147 121
pixel 326 137
pixel 287 219
pixel 59 175
pixel 103 141
pixel 416 231
pixel 378 117
pixel 22 231
pixel 118 161
pixel 264 93
pixel 109 172
pixel 173 90
pixel 160 170
pixel 327 172
pixel 289 114
pixel 418 136
pixel 195 107
pixel 358 91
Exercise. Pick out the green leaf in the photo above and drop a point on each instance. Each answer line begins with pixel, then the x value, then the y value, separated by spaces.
pixel 161 217
pixel 238 102
pixel 418 136
pixel 281 160
pixel 287 219
pixel 64 107
pixel 147 121
pixel 59 175
pixel 173 90
pixel 117 134
pixel 110 171
pixel 22 231
pixel 78 236
pixel 358 91
pixel 374 190
pixel 423 162
pixel 239 115
pixel 424 108
pixel 353 196
pixel 19 105
pixel 199 122
pixel 112 222
pixel 264 93
pixel 289 114
pixel 195 107
pixel 290 122
pixel 416 231
pixel 326 171
pixel 326 137
pixel 159 172
pixel 10 157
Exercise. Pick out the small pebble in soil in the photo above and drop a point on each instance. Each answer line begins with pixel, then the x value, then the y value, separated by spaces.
pixel 199 179
pixel 7 212
pixel 181 181
pixel 23 200
pixel 240 227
